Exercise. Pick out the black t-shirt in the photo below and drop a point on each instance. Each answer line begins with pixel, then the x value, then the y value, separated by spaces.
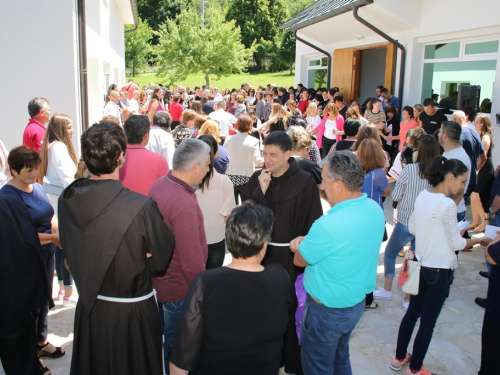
pixel 343 111
pixel 233 322
pixel 432 123
pixel 344 144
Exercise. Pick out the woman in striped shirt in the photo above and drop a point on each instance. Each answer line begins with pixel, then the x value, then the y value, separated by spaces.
pixel 411 182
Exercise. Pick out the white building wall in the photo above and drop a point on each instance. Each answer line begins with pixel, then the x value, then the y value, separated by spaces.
pixel 38 45
pixel 430 22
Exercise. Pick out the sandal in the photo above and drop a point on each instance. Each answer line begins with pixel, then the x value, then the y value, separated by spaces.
pixel 44 353
pixel 480 228
pixel 45 370
pixel 373 306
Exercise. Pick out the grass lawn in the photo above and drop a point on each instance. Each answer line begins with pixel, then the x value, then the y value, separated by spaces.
pixel 232 81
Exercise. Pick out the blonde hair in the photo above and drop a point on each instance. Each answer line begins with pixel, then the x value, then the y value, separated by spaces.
pixel 212 128
pixel 312 107
pixel 278 111
pixel 331 108
pixel 300 141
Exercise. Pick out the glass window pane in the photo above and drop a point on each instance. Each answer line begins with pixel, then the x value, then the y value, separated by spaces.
pixel 320 78
pixel 324 61
pixel 442 51
pixel 314 62
pixel 482 47
pixel 445 78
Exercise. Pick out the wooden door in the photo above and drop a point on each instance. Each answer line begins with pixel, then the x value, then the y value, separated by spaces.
pixel 343 75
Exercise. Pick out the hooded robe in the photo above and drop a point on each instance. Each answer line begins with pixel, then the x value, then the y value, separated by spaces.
pixel 294 200
pixel 106 232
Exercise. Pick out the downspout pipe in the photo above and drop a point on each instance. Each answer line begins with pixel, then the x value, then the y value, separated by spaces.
pixel 328 55
pixel 82 64
pixel 394 42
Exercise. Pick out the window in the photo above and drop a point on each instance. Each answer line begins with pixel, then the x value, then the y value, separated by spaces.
pixel 317 71
pixel 447 66
pixel 481 47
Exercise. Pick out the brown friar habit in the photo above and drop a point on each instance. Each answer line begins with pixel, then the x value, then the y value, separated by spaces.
pixel 294 200
pixel 106 232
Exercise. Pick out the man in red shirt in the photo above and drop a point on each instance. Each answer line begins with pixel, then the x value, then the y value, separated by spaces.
pixel 130 87
pixel 142 167
pixel 177 202
pixel 39 111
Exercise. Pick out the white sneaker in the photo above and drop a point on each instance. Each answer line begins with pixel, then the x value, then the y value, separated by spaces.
pixel 405 305
pixel 381 293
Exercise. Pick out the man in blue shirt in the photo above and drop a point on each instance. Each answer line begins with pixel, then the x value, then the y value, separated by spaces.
pixel 340 254
pixel 389 99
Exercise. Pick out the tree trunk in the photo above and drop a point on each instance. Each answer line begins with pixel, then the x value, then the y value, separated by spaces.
pixel 207 78
pixel 291 69
pixel 258 61
pixel 133 69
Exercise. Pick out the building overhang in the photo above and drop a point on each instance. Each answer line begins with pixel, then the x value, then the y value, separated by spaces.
pixel 128 11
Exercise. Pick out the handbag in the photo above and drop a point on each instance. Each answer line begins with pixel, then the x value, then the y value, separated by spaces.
pixel 411 268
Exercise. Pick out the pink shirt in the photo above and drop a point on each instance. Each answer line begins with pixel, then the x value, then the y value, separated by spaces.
pixel 321 127
pixel 142 168
pixel 34 134
pixel 175 111
pixel 403 130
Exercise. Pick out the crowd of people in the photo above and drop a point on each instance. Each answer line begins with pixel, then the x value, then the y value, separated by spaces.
pixel 170 179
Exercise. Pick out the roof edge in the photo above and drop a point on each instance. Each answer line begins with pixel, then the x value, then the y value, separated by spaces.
pixel 301 20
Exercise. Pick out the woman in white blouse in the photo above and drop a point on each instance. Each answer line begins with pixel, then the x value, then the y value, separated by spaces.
pixel 216 199
pixel 57 171
pixel 434 224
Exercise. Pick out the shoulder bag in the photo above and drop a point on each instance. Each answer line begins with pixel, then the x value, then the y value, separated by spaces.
pixel 412 267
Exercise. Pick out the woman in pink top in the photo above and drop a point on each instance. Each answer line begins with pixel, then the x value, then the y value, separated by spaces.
pixel 175 111
pixel 330 130
pixel 407 124
pixel 156 103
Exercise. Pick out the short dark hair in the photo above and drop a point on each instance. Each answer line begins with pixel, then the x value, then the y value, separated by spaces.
pixel 469 112
pixel 429 101
pixel 102 145
pixel 209 140
pixel 276 100
pixel 384 90
pixel 135 128
pixel 380 87
pixel 37 104
pixel 392 110
pixel 351 127
pixel 280 139
pixel 442 166
pixel 162 119
pixel 23 157
pixel 408 109
pixel 332 91
pixel 248 227
pixel 338 98
pixel 452 129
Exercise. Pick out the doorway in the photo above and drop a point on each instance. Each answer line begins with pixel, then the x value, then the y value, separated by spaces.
pixel 358 71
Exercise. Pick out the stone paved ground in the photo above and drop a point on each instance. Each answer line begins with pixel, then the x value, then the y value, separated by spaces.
pixel 455 347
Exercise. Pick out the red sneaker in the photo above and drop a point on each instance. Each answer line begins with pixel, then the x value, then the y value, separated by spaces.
pixel 397 365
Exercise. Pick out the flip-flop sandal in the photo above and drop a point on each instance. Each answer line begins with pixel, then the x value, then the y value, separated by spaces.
pixel 372 306
pixel 55 354
pixel 45 370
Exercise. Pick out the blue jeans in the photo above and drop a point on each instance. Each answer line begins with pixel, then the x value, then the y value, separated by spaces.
pixel 399 238
pixel 427 305
pixel 171 313
pixel 325 332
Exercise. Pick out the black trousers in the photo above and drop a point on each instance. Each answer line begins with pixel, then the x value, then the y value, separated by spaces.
pixel 216 252
pixel 237 192
pixel 18 350
pixel 490 349
pixel 327 145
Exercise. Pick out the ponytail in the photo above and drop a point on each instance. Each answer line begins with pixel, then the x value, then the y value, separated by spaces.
pixel 442 166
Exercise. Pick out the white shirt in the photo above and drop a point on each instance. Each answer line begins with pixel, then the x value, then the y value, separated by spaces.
pixel 225 120
pixel 134 105
pixel 329 126
pixel 218 97
pixel 162 143
pixel 216 202
pixel 112 109
pixel 244 154
pixel 3 170
pixel 460 154
pixel 61 169
pixel 442 236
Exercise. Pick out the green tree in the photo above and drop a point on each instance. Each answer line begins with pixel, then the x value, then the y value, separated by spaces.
pixel 259 21
pixel 137 47
pixel 156 12
pixel 187 48
pixel 285 56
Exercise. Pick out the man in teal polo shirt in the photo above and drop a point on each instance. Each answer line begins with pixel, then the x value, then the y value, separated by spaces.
pixel 340 254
